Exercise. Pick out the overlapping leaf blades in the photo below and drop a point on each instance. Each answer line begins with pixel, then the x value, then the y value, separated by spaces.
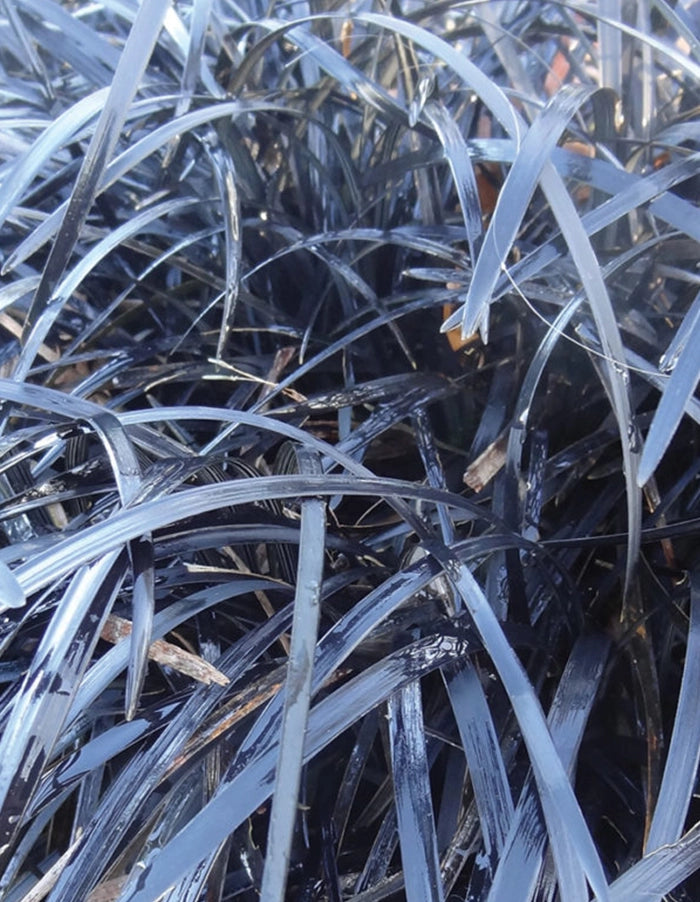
pixel 230 239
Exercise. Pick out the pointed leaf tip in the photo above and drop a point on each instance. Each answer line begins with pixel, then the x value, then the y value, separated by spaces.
pixel 11 593
pixel 676 395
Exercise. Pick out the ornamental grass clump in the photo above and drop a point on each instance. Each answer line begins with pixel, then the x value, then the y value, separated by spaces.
pixel 349 451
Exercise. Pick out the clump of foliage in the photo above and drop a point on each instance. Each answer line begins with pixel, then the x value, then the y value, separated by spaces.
pixel 301 598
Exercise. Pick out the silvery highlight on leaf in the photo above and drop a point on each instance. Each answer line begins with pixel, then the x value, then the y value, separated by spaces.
pixel 349 451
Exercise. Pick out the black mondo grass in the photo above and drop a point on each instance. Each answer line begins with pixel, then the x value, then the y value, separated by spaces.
pixel 349 451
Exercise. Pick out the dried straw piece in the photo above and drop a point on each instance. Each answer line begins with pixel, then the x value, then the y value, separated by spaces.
pixel 117 628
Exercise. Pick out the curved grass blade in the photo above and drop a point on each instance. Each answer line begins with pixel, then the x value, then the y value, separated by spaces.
pixel 225 173
pixel 341 640
pixel 572 846
pixel 681 767
pixel 41 706
pixel 325 56
pixel 138 223
pixel 128 160
pixel 29 51
pixel 77 768
pixel 11 594
pixel 488 91
pixel 666 49
pixel 56 561
pixel 83 38
pixel 132 63
pixel 681 22
pixel 57 133
pixel 201 13
pixel 236 798
pixel 435 474
pixel 659 380
pixel 409 238
pixel 126 794
pixel 330 452
pixel 337 346
pixel 457 155
pixel 414 809
pixel 356 764
pixel 113 662
pixel 500 36
pixel 670 357
pixel 659 873
pixel 675 396
pixel 23 847
pixel 387 414
pixel 200 884
pixel 608 332
pixel 524 850
pixel 627 192
pixel 289 171
pixel 554 333
pixel 143 607
pixel 610 45
pixel 66 286
pixel 106 424
pixel 517 190
pixel 127 474
pixel 101 321
pixel 297 688
pixel 15 291
pixel 485 761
